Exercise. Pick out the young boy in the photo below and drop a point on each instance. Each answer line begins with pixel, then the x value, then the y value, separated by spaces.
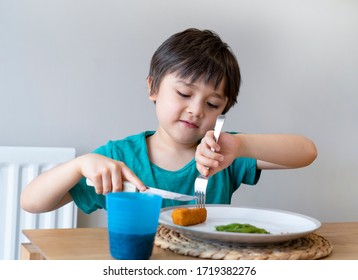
pixel 193 78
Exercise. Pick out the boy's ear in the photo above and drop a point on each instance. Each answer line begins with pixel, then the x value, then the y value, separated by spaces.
pixel 152 96
pixel 149 83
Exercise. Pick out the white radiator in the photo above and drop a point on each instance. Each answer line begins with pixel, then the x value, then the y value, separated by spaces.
pixel 18 166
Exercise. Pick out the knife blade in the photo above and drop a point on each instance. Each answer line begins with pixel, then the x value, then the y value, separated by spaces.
pixel 129 187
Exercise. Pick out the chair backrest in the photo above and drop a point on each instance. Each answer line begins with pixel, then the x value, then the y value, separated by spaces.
pixel 18 166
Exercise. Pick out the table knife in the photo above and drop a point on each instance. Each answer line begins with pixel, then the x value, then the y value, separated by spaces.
pixel 129 187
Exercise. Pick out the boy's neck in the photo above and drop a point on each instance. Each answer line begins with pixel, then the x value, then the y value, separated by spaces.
pixel 167 154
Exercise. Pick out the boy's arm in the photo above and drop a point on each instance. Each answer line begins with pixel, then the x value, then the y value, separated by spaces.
pixel 50 190
pixel 277 151
pixel 272 151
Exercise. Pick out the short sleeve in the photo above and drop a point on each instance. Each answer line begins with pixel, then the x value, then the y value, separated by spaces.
pixel 244 171
pixel 86 198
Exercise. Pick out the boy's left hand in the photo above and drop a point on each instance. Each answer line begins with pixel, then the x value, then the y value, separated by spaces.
pixel 212 157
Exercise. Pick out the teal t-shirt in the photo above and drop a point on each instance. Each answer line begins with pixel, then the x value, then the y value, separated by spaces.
pixel 133 152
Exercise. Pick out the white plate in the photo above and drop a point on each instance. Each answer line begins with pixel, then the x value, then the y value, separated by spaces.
pixel 282 225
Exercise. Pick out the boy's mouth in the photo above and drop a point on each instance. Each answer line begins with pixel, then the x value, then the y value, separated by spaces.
pixel 189 124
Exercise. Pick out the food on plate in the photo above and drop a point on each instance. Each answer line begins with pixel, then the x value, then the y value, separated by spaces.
pixel 188 216
pixel 242 228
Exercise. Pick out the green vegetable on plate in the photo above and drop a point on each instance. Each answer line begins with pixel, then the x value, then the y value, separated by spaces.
pixel 241 228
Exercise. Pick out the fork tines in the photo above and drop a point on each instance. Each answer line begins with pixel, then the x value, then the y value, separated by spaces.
pixel 200 199
pixel 200 190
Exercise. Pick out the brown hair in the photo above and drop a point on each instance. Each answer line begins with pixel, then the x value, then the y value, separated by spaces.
pixel 196 54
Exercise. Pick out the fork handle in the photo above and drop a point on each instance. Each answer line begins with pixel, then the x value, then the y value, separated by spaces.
pixel 218 127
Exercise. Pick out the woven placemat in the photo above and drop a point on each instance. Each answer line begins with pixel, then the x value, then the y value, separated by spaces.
pixel 310 247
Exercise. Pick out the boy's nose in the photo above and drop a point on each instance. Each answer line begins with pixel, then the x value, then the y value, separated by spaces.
pixel 196 109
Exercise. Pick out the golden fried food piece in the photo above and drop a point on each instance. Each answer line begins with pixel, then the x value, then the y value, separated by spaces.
pixel 188 216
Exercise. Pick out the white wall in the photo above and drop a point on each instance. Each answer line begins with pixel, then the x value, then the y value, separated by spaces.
pixel 73 73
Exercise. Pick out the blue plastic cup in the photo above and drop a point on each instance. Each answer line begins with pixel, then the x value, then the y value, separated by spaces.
pixel 132 224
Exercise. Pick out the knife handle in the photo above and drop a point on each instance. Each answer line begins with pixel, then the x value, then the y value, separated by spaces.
pixel 127 186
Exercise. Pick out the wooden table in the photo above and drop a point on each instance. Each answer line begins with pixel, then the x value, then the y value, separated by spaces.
pixel 92 243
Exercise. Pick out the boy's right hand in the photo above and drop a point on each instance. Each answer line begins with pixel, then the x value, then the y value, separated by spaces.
pixel 107 174
pixel 212 157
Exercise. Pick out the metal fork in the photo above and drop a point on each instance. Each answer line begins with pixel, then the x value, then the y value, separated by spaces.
pixel 201 181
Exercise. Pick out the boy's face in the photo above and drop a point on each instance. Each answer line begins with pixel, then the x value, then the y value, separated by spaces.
pixel 185 110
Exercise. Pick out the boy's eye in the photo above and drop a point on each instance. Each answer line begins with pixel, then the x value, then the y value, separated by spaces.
pixel 213 105
pixel 183 94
